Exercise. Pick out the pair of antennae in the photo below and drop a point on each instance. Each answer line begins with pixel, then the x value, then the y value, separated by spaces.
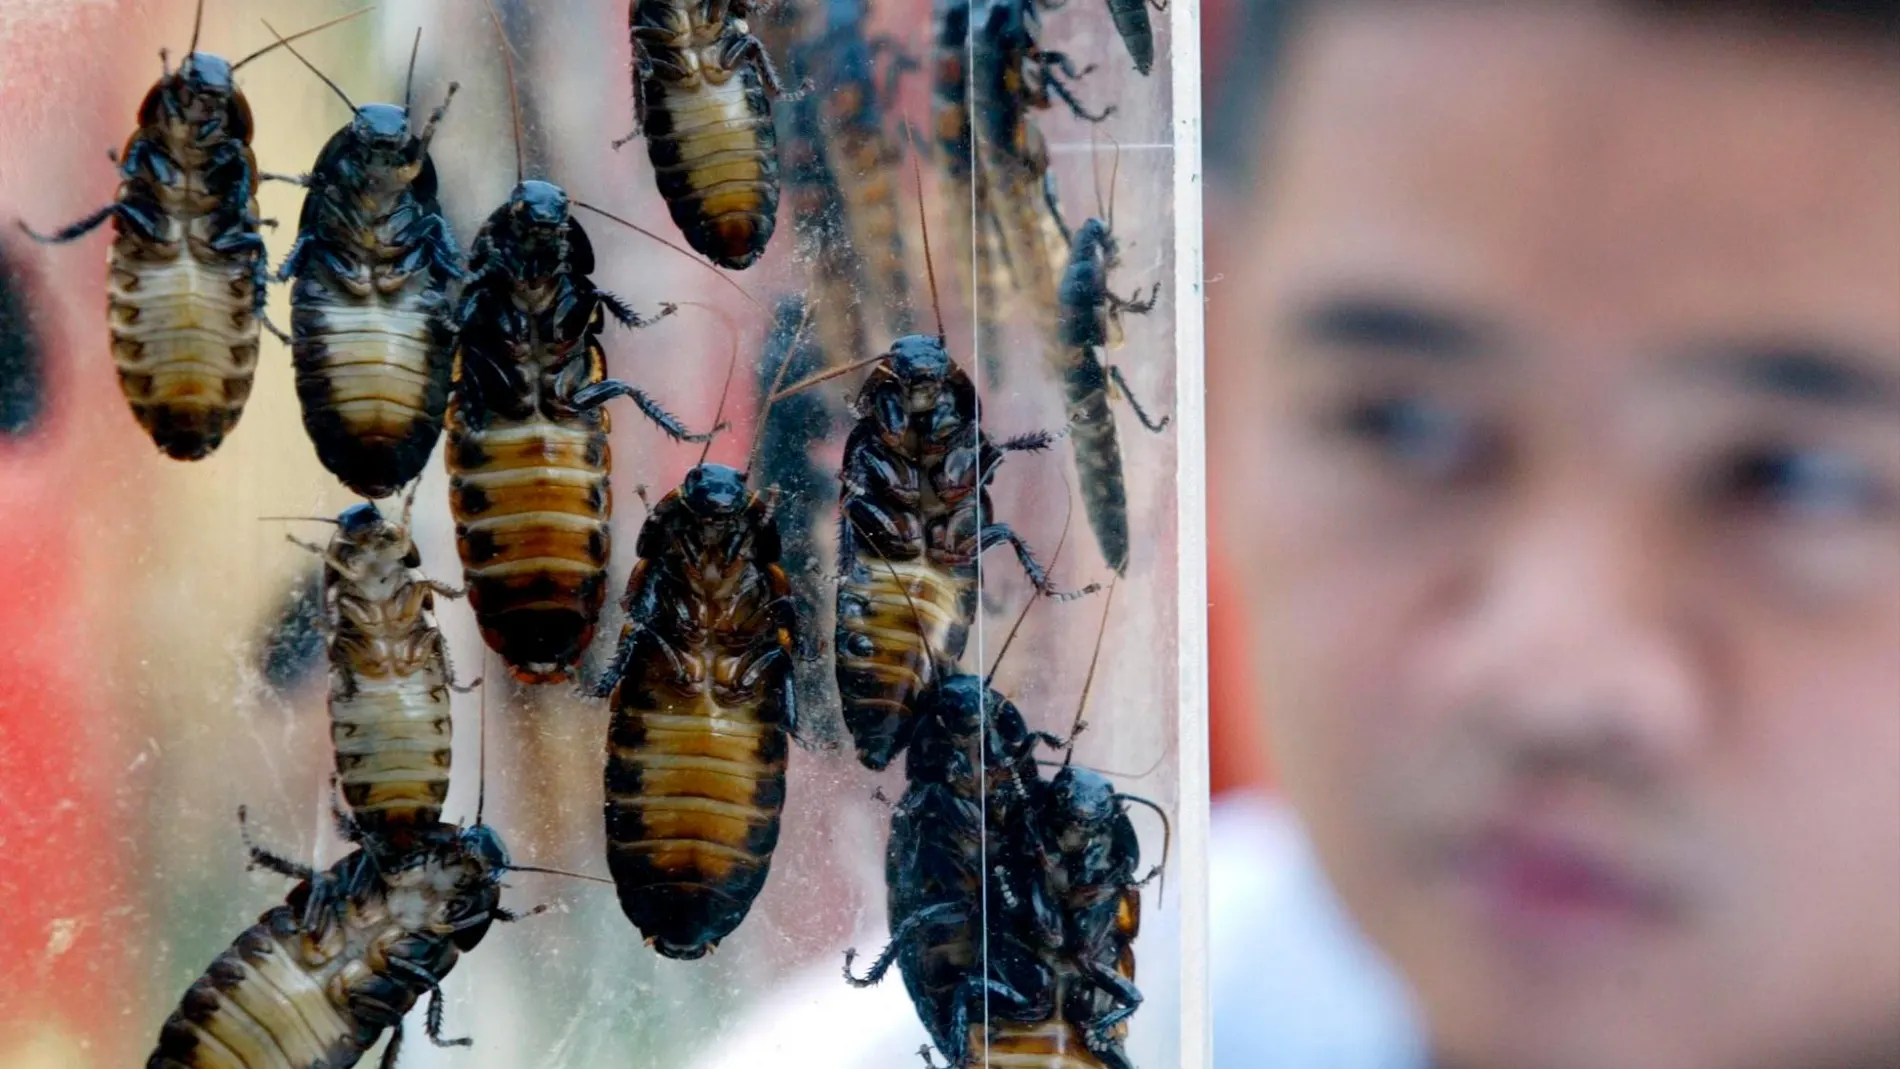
pixel 282 41
pixel 409 82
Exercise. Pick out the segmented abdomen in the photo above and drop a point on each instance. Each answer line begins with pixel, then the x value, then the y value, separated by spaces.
pixel 1052 1044
pixel 868 167
pixel 897 622
pixel 373 376
pixel 531 505
pixel 184 337
pixel 1132 22
pixel 265 1003
pixel 1098 453
pixel 695 777
pixel 392 736
pixel 715 153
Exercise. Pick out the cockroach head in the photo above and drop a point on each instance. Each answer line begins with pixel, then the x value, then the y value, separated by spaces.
pixel 382 128
pixel 1083 797
pixel 714 491
pixel 484 843
pixel 919 360
pixel 539 204
pixel 203 74
pixel 364 527
pixel 1095 234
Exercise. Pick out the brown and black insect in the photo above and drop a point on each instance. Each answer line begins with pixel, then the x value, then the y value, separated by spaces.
pixel 703 710
pixel 316 982
pixel 188 270
pixel 528 455
pixel 915 517
pixel 389 680
pixel 864 157
pixel 1088 310
pixel 973 928
pixel 702 89
pixel 372 311
pixel 1012 77
pixel 975 232
pixel 1136 29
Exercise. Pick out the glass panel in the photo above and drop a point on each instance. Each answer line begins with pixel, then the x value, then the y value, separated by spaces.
pixel 165 653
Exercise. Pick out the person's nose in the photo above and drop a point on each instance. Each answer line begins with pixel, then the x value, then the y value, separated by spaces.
pixel 1570 644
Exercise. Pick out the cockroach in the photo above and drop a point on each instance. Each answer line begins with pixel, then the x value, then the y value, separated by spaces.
pixel 389 678
pixel 974 229
pixel 864 157
pixel 972 925
pixel 1094 854
pixel 1012 77
pixel 1137 32
pixel 1087 308
pixel 316 982
pixel 528 455
pixel 373 308
pixel 188 269
pixel 837 279
pixel 915 518
pixel 703 707
pixel 702 89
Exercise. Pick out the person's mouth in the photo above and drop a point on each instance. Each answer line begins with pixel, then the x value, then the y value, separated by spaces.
pixel 1551 886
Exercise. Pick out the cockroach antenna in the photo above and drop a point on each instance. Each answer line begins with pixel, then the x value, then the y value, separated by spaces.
pixel 409 82
pixel 732 366
pixel 267 49
pixel 331 520
pixel 1054 559
pixel 1088 682
pixel 481 750
pixel 409 501
pixel 778 379
pixel 197 23
pixel 823 377
pixel 557 872
pixel 1167 844
pixel 923 222
pixel 292 49
pixel 638 229
pixel 514 94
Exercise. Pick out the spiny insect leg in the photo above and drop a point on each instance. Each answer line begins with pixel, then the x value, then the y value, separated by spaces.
pixel 1157 426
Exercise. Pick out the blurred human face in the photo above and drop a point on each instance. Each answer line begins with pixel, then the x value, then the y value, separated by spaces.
pixel 1557 430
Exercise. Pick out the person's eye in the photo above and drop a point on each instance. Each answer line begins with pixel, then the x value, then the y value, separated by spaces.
pixel 1803 483
pixel 1424 437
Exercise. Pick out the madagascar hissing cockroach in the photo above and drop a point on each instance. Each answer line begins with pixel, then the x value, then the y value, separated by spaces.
pixel 1013 76
pixel 703 709
pixel 1087 308
pixel 915 517
pixel 702 89
pixel 1093 853
pixel 834 300
pixel 188 271
pixel 974 229
pixel 316 982
pixel 864 157
pixel 528 455
pixel 1137 32
pixel 372 311
pixel 389 678
pixel 973 929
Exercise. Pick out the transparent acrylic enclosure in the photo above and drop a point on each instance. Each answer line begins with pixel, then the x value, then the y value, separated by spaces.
pixel 159 667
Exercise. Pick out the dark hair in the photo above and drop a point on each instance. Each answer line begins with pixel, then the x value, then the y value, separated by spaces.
pixel 1248 59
